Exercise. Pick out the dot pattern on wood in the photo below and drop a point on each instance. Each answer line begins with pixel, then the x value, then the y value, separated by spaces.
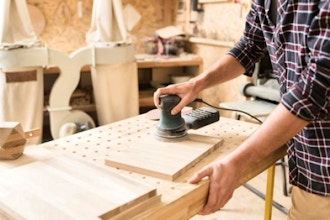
pixel 97 144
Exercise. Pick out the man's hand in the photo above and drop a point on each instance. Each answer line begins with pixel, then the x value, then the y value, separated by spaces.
pixel 184 90
pixel 223 182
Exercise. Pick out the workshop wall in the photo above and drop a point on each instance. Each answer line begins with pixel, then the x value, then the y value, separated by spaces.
pixel 223 21
pixel 225 92
pixel 220 26
pixel 65 31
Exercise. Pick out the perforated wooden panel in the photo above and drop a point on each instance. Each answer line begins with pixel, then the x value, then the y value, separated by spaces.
pixel 97 144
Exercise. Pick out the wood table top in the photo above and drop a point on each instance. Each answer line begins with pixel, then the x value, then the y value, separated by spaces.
pixel 179 199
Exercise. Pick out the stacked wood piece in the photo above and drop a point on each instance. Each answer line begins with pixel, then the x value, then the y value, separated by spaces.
pixel 13 140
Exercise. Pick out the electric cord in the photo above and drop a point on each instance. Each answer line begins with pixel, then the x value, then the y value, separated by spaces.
pixel 228 109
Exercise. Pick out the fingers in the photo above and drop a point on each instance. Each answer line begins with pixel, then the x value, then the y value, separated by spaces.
pixel 177 108
pixel 162 91
pixel 156 98
pixel 200 175
pixel 212 201
pixel 216 200
pixel 183 90
pixel 168 90
pixel 157 94
pixel 220 189
pixel 186 98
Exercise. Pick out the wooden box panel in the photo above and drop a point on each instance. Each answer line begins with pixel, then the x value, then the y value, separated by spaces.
pixel 165 160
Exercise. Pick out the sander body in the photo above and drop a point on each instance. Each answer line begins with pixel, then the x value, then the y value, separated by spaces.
pixel 173 128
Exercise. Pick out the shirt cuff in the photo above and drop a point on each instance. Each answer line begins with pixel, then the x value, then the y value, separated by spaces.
pixel 309 105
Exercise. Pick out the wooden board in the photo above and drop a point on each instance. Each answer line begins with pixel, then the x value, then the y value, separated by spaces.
pixel 165 160
pixel 12 140
pixel 65 188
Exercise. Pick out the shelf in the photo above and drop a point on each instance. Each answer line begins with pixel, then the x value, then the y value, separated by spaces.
pixel 152 61
pixel 220 43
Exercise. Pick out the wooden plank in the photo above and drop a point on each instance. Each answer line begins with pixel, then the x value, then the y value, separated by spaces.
pixel 65 188
pixel 182 207
pixel 11 134
pixel 165 160
pixel 153 61
pixel 197 197
pixel 136 211
pixel 179 200
pixel 12 140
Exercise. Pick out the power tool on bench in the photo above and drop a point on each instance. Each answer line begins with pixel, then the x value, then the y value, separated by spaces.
pixel 172 128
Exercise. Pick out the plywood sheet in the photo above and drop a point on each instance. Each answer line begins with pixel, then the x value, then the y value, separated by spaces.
pixel 66 188
pixel 165 160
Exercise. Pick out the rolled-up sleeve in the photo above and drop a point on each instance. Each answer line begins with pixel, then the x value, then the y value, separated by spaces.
pixel 251 47
pixel 309 98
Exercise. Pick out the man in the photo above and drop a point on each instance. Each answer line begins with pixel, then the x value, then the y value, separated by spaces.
pixel 298 42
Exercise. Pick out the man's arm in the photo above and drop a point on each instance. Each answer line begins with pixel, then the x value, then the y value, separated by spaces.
pixel 280 126
pixel 224 69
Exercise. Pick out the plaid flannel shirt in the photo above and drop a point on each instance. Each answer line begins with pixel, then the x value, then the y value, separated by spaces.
pixel 299 48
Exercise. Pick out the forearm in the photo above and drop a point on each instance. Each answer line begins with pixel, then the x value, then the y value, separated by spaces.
pixel 279 127
pixel 223 70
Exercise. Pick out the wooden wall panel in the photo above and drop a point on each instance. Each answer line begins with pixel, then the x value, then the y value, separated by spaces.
pixel 65 31
pixel 155 14
pixel 227 20
pixel 224 92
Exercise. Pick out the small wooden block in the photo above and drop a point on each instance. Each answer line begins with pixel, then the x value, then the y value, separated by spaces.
pixel 165 160
pixel 12 140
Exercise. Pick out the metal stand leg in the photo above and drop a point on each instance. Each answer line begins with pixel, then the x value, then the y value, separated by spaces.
pixel 269 192
pixel 283 165
pixel 285 187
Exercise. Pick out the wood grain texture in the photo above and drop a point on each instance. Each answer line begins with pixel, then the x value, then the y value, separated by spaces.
pixel 65 31
pixel 179 200
pixel 12 140
pixel 165 160
pixel 65 188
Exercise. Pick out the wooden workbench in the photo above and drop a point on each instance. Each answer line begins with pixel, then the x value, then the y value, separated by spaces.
pixel 179 200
